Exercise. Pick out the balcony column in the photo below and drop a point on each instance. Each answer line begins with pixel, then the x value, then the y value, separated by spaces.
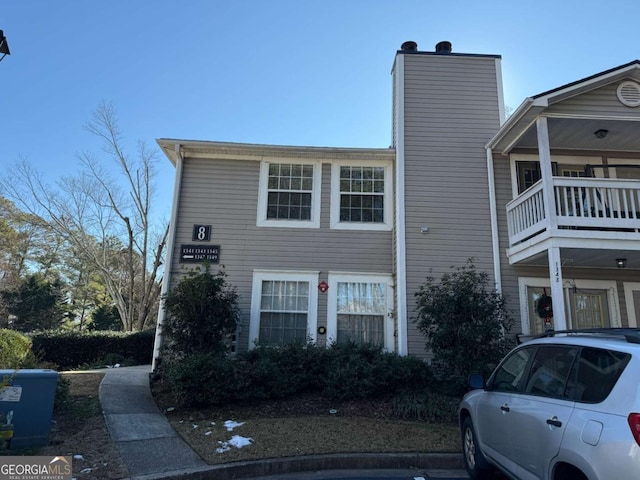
pixel 548 195
pixel 546 172
pixel 557 291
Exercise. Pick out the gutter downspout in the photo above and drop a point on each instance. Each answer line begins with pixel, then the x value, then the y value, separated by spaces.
pixel 157 346
pixel 400 227
pixel 493 209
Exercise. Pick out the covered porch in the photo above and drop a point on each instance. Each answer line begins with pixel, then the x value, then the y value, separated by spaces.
pixel 579 208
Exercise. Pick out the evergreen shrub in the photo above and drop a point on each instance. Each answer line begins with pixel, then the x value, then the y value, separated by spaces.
pixel 15 348
pixel 69 350
pixel 341 372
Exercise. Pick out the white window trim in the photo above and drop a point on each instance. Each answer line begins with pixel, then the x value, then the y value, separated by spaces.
pixel 335 197
pixel 263 185
pixel 608 285
pixel 629 288
pixel 332 304
pixel 282 275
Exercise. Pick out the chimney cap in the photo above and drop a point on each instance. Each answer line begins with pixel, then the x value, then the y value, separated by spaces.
pixel 443 47
pixel 409 46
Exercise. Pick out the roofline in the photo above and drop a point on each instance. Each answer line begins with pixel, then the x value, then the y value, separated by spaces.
pixel 254 151
pixel 452 54
pixel 513 119
pixel 588 79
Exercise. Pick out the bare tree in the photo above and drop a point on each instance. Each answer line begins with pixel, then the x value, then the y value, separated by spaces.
pixel 106 218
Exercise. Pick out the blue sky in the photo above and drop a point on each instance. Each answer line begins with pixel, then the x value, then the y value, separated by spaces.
pixel 293 72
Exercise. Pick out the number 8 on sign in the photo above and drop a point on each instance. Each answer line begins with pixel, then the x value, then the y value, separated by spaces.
pixel 201 233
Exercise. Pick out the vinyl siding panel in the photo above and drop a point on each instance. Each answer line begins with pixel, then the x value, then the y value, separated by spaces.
pixel 600 102
pixel 451 111
pixel 224 194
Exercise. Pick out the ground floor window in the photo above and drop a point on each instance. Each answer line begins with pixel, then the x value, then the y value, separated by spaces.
pixel 283 308
pixel 359 309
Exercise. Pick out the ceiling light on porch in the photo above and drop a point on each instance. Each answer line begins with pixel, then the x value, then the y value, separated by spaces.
pixel 621 262
pixel 601 133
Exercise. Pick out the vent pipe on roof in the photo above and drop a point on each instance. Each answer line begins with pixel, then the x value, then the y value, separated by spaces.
pixel 409 46
pixel 443 48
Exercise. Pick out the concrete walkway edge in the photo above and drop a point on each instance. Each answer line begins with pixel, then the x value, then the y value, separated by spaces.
pixel 151 449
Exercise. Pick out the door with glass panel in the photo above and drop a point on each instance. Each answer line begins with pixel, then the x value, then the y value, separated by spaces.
pixel 359 311
pixel 586 308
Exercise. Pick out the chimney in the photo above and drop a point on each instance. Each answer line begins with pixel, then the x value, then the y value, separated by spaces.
pixel 409 46
pixel 443 48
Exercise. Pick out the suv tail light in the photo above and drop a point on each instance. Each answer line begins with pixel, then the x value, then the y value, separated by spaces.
pixel 634 423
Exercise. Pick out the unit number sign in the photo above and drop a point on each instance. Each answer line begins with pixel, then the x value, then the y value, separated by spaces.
pixel 201 233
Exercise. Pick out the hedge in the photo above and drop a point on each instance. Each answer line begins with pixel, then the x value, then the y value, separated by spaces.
pixel 69 350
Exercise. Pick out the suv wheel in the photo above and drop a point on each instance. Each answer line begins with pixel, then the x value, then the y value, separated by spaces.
pixel 477 466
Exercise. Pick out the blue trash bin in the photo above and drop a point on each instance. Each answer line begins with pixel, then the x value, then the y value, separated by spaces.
pixel 26 407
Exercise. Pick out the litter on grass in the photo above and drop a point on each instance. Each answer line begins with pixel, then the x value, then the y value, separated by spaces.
pixel 231 424
pixel 236 441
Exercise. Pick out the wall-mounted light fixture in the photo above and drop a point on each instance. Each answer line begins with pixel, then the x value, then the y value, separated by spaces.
pixel 601 133
pixel 424 229
pixel 621 262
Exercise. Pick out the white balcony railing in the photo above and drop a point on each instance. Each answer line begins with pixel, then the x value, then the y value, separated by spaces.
pixel 580 203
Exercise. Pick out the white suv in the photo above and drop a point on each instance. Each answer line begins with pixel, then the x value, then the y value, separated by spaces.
pixel 562 406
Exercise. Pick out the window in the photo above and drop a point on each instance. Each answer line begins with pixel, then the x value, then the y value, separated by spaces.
pixel 283 308
pixel 289 195
pixel 361 196
pixel 595 374
pixel 510 375
pixel 358 309
pixel 550 371
pixel 528 173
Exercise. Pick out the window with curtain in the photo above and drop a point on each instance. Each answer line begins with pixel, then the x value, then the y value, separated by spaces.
pixel 284 308
pixel 361 310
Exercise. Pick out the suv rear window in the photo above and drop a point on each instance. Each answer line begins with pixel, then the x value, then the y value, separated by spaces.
pixel 595 373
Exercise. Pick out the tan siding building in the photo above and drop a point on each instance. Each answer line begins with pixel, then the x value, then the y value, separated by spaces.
pixel 329 244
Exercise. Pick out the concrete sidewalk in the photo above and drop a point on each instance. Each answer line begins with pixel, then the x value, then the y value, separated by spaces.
pixel 148 445
pixel 151 448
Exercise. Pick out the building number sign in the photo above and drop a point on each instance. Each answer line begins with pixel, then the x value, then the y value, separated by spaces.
pixel 201 233
pixel 200 253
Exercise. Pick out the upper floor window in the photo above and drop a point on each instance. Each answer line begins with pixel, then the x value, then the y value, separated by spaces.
pixel 289 195
pixel 361 196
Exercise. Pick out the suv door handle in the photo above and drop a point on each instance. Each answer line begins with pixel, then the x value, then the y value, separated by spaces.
pixel 554 422
pixel 505 408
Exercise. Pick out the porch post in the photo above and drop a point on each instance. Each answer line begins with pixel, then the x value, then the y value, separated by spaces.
pixel 548 195
pixel 544 154
pixel 557 293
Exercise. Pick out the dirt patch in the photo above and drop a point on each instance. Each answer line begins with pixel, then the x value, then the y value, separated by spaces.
pixel 80 431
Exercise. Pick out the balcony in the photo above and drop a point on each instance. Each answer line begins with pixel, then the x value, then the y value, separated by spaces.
pixel 584 208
